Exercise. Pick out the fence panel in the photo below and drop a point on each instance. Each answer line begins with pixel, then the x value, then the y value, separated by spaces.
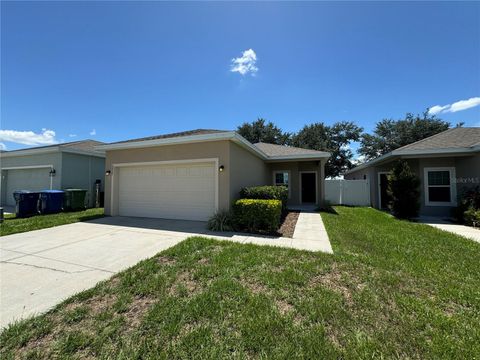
pixel 347 192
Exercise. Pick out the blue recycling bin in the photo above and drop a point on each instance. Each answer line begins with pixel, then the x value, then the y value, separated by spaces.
pixel 51 201
pixel 26 203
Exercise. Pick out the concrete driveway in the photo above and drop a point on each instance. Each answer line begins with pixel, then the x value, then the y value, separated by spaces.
pixel 38 269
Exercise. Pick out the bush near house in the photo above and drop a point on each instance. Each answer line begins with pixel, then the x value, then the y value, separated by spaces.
pixel 257 215
pixel 403 188
pixel 468 210
pixel 266 193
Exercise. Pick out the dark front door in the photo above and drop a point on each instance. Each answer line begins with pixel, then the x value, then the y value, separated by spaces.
pixel 309 188
pixel 384 198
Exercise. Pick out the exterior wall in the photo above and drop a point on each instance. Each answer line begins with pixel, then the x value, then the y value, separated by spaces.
pixel 467 176
pixel 81 171
pixel 246 169
pixel 468 173
pixel 204 150
pixel 53 158
pixel 295 167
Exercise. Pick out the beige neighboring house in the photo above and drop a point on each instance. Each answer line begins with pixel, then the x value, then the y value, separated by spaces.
pixel 191 175
pixel 448 164
pixel 74 164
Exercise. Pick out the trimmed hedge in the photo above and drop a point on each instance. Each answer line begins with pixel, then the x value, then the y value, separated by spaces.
pixel 266 193
pixel 258 215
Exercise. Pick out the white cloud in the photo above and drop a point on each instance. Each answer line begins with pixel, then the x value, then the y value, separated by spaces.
pixel 93 132
pixel 245 64
pixel 456 106
pixel 46 137
pixel 72 135
pixel 3 146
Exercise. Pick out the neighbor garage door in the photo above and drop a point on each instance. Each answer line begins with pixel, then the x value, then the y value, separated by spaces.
pixel 26 179
pixel 175 191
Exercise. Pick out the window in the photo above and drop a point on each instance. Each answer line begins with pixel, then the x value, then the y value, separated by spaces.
pixel 282 178
pixel 440 187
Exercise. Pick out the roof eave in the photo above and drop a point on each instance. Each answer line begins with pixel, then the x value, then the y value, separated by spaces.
pixel 388 156
pixel 168 141
pixel 33 151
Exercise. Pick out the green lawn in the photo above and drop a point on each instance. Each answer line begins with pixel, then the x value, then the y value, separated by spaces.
pixel 393 289
pixel 12 225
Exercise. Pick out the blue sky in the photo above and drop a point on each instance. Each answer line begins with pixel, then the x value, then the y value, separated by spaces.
pixel 118 70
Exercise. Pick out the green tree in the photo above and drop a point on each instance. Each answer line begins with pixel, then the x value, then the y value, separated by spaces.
pixel 335 139
pixel 391 134
pixel 262 131
pixel 403 189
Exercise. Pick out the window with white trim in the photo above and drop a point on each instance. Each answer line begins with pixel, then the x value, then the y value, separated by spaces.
pixel 440 186
pixel 282 178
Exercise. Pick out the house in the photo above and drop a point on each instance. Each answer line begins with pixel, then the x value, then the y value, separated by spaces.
pixel 447 164
pixel 193 174
pixel 69 165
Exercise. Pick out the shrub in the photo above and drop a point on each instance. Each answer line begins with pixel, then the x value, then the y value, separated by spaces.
pixel 472 217
pixel 257 215
pixel 221 221
pixel 403 188
pixel 266 193
pixel 470 199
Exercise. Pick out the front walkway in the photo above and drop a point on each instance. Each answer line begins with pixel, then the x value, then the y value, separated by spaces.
pixel 310 233
pixel 462 230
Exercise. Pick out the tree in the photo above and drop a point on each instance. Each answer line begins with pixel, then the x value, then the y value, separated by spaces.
pixel 260 131
pixel 403 189
pixel 335 139
pixel 390 134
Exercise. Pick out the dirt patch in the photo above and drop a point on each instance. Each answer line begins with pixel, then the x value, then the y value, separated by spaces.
pixel 333 280
pixel 185 280
pixel 283 306
pixel 288 225
pixel 204 261
pixel 166 260
pixel 137 310
pixel 254 287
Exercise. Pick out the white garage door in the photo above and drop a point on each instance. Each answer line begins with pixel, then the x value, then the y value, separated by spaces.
pixel 174 191
pixel 26 179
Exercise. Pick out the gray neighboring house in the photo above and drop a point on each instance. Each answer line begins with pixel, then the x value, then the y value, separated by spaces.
pixel 193 174
pixel 69 165
pixel 447 164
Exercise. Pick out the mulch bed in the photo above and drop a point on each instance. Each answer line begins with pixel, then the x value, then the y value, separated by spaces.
pixel 288 225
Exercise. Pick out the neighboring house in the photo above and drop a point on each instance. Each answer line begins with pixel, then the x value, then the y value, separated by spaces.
pixel 193 174
pixel 69 165
pixel 447 164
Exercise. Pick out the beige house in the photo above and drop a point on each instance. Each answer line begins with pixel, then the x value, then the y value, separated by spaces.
pixel 448 164
pixel 193 174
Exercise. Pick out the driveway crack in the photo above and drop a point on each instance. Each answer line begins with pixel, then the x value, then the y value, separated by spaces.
pixel 54 269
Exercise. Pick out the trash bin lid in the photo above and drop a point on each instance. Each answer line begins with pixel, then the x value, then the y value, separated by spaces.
pixel 22 192
pixel 52 191
pixel 75 190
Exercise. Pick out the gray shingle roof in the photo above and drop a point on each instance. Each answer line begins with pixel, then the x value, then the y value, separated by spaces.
pixel 458 137
pixel 174 135
pixel 282 150
pixel 84 145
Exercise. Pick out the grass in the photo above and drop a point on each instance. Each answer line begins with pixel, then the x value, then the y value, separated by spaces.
pixel 393 289
pixel 13 225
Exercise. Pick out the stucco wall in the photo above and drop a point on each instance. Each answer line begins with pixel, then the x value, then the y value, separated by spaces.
pixel 468 173
pixel 246 169
pixel 81 171
pixel 204 150
pixel 295 167
pixel 53 158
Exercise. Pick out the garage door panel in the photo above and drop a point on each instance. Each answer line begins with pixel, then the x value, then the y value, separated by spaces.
pixel 25 179
pixel 174 191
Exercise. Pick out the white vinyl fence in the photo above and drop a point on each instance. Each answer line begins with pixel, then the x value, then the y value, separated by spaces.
pixel 347 192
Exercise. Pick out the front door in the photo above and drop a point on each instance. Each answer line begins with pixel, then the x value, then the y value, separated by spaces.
pixel 384 197
pixel 308 188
